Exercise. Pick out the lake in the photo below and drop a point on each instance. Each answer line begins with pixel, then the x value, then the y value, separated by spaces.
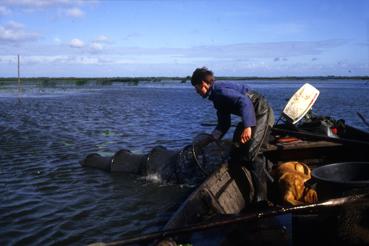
pixel 48 198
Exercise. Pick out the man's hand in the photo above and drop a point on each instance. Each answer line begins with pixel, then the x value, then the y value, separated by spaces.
pixel 246 135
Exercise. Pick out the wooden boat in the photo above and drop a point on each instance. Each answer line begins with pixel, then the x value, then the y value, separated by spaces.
pixel 228 191
pixel 224 199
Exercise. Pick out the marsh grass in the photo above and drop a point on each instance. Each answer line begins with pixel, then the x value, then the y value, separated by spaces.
pixel 47 83
pixel 81 82
pixel 78 81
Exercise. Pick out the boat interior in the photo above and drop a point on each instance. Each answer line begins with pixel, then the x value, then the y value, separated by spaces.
pixel 229 191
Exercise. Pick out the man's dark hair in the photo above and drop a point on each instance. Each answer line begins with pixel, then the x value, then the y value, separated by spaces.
pixel 199 75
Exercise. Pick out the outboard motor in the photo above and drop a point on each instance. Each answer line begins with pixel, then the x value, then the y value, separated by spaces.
pixel 298 115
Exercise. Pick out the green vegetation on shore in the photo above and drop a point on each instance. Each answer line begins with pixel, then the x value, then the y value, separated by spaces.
pixel 79 81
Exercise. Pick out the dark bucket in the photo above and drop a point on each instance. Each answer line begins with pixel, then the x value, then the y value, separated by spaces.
pixel 339 179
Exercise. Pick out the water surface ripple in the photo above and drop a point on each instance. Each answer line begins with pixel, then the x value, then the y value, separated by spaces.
pixel 48 198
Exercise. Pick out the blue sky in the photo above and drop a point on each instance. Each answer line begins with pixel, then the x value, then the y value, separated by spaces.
pixel 172 38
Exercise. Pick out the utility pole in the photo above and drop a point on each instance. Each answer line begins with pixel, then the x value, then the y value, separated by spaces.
pixel 19 82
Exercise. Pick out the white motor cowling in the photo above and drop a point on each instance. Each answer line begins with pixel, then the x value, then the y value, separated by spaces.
pixel 300 103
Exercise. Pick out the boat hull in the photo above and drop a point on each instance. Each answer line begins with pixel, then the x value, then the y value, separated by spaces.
pixel 229 191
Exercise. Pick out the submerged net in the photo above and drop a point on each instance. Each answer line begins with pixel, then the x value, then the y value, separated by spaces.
pixel 347 224
pixel 190 165
pixel 353 221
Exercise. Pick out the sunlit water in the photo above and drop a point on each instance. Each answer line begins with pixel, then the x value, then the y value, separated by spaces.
pixel 48 198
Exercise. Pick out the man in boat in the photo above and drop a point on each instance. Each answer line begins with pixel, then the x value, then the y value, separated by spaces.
pixel 257 119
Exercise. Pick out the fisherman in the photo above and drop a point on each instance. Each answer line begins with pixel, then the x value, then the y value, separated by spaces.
pixel 250 134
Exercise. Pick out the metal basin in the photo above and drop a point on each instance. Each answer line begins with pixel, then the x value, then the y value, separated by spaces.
pixel 339 178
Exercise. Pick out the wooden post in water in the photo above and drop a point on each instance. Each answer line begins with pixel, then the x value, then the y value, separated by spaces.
pixel 19 82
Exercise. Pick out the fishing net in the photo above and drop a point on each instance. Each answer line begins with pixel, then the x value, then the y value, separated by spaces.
pixel 196 161
pixel 190 165
pixel 346 224
pixel 353 221
pixel 160 165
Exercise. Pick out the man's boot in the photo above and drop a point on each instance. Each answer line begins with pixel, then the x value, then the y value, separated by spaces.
pixel 257 168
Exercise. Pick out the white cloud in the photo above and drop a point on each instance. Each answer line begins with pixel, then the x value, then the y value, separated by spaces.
pixel 253 59
pixel 96 46
pixel 29 3
pixel 14 25
pixel 60 59
pixel 76 43
pixel 231 52
pixel 85 46
pixel 57 40
pixel 4 10
pixel 132 36
pixel 71 8
pixel 87 60
pixel 15 32
pixel 74 12
pixel 283 28
pixel 42 3
pixel 101 39
pixel 75 65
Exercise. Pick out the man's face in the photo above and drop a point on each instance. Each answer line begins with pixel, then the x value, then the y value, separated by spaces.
pixel 202 89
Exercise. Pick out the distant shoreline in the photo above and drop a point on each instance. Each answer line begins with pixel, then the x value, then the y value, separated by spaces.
pixel 108 80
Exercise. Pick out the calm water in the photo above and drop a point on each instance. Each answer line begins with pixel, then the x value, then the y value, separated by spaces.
pixel 48 198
